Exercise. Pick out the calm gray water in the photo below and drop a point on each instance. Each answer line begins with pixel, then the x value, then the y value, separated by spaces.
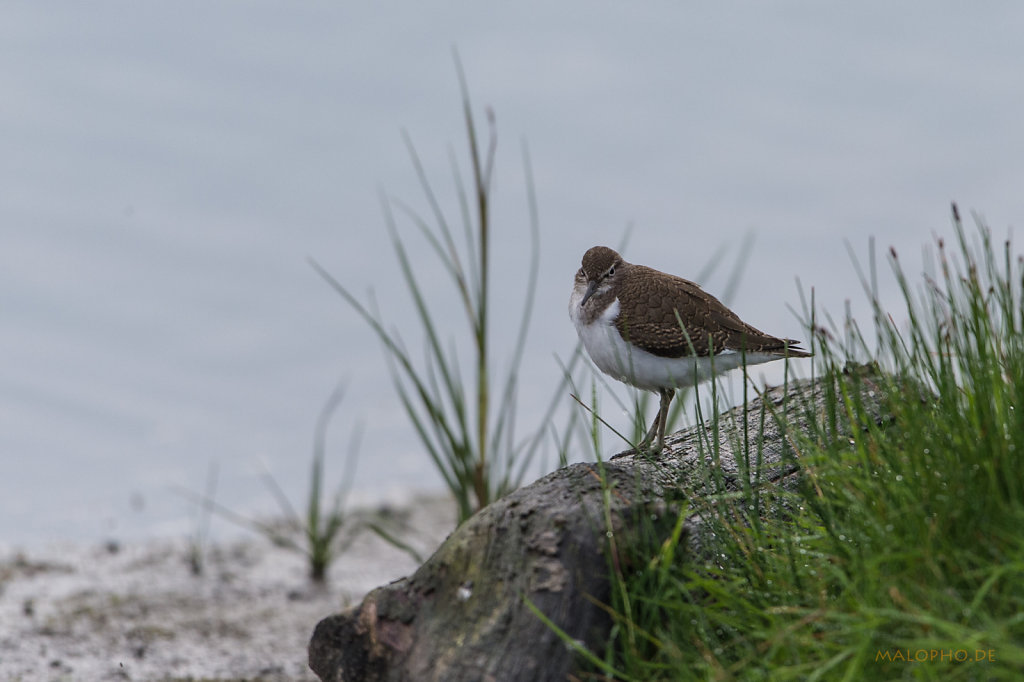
pixel 166 169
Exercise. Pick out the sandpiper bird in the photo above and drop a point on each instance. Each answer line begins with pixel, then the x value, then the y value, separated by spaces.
pixel 660 332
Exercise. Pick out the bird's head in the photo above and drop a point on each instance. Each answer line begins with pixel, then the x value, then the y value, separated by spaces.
pixel 598 271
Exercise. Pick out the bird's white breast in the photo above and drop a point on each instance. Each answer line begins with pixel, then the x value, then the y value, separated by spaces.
pixel 637 367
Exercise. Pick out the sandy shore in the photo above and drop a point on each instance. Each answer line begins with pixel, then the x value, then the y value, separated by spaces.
pixel 137 612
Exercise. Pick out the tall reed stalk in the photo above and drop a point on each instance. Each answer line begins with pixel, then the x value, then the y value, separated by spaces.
pixel 467 428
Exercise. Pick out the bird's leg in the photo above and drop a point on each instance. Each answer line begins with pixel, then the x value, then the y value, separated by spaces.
pixel 666 399
pixel 657 429
pixel 651 433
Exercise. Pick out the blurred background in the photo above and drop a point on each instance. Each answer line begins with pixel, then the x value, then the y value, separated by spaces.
pixel 167 169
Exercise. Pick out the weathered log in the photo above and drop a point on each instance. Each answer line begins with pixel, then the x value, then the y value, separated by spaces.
pixel 462 616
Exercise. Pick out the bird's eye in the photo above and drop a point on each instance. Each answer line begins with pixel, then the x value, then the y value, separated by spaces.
pixel 611 271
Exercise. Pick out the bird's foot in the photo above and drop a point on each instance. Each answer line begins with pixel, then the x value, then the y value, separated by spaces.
pixel 646 447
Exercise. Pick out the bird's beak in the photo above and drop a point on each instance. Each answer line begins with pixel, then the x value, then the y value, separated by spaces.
pixel 591 288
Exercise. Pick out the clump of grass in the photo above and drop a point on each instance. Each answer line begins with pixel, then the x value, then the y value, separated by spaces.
pixel 204 513
pixel 466 426
pixel 322 532
pixel 325 532
pixel 902 555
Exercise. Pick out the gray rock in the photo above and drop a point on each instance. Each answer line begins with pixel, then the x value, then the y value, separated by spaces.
pixel 462 616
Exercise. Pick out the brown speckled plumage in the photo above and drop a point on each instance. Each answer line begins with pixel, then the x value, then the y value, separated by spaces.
pixel 649 301
pixel 660 332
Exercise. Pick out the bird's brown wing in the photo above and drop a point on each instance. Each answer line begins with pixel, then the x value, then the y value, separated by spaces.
pixel 647 318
